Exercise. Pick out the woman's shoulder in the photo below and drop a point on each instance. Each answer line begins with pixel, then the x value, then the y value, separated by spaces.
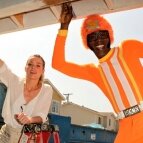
pixel 47 86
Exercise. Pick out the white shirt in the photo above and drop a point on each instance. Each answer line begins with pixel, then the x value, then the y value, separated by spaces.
pixel 38 106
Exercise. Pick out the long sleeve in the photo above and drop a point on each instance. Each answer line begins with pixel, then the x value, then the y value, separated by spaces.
pixel 72 69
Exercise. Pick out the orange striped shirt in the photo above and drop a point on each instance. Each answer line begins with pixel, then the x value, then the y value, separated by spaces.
pixel 119 74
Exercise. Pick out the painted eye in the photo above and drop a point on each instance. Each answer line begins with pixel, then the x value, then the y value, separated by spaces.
pixel 29 64
pixel 38 66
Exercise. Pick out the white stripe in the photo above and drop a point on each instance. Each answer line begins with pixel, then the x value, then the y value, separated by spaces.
pixel 123 80
pixel 113 85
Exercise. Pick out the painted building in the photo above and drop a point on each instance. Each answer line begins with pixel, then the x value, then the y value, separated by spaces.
pixel 81 115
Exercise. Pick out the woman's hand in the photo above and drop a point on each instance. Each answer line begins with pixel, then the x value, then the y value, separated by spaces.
pixel 23 119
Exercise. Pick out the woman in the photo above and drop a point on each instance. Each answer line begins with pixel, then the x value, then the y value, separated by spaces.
pixel 27 101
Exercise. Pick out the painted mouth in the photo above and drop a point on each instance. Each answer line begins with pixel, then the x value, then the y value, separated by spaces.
pixel 100 47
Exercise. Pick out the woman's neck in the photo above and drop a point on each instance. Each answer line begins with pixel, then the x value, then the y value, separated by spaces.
pixel 31 85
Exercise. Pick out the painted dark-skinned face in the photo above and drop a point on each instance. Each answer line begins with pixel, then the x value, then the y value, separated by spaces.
pixel 99 42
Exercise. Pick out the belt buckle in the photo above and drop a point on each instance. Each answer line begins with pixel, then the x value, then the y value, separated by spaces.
pixel 131 111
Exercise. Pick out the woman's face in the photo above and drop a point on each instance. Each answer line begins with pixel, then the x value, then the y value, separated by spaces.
pixel 99 42
pixel 34 68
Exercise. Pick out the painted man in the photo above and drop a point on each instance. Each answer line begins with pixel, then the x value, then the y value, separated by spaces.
pixel 118 74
